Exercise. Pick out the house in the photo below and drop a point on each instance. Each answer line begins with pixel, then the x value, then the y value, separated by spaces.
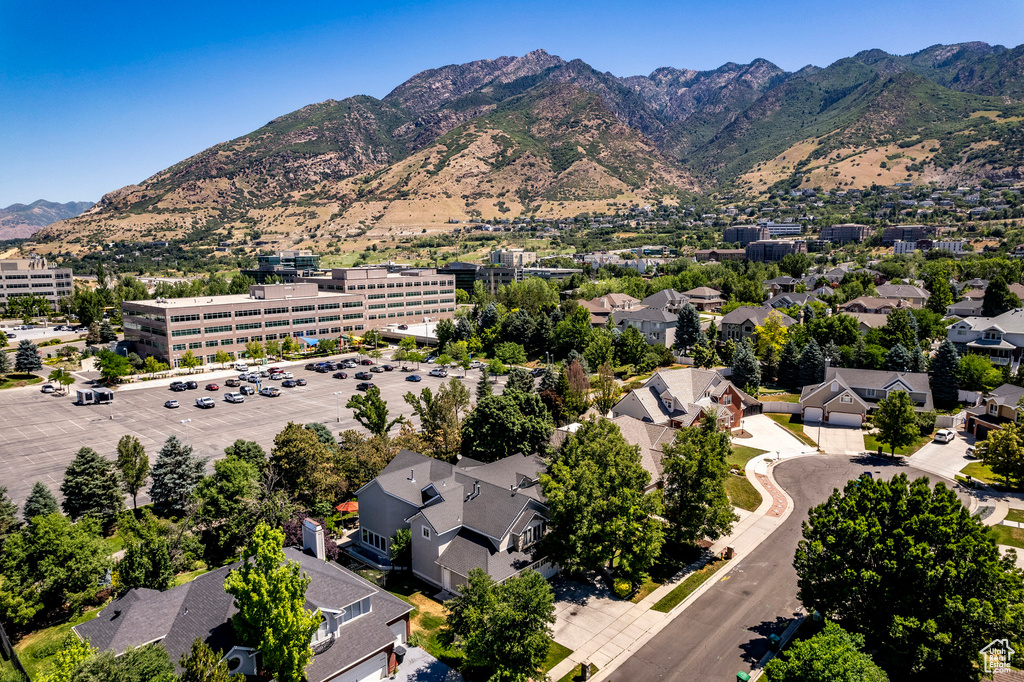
pixel 903 292
pixel 602 307
pixel 964 308
pixel 678 398
pixel 719 254
pixel 873 304
pixel 847 395
pixel 740 324
pixel 868 321
pixel 976 283
pixel 666 299
pixel 995 410
pixel 973 295
pixel 782 285
pixel 649 438
pixel 790 300
pixel 462 516
pixel 1001 338
pixel 362 624
pixel 705 298
pixel 657 325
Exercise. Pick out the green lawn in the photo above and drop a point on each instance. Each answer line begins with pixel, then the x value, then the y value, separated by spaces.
pixel 742 492
pixel 556 654
pixel 871 444
pixel 673 559
pixel 688 586
pixel 17 380
pixel 781 397
pixel 37 649
pixel 1015 515
pixel 795 426
pixel 577 673
pixel 741 454
pixel 1007 535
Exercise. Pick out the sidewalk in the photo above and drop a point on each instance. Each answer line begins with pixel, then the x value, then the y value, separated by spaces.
pixel 637 623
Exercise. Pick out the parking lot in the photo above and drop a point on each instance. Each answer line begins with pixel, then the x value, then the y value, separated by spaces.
pixel 40 433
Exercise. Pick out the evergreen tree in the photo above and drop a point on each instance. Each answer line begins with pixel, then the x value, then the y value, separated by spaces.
pixel 174 476
pixel 27 359
pixel 900 328
pixel 746 370
pixel 40 502
pixel 107 333
pixel 519 380
pixel 133 466
pixel 688 330
pixel 812 364
pixel 90 488
pixel 898 359
pixel 942 378
pixel 998 299
pixel 5 363
pixel 789 366
pixel 464 329
pixel 9 522
pixel 861 357
pixel 831 352
pixel 920 363
pixel 483 387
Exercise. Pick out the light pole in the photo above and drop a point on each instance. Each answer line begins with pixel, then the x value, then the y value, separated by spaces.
pixel 337 401
pixel 186 423
pixel 548 353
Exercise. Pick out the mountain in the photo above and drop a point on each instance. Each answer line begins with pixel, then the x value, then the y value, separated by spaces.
pixel 540 135
pixel 19 220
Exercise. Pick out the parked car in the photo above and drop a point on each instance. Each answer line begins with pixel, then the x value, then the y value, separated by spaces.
pixel 205 403
pixel 48 388
pixel 537 372
pixel 233 383
pixel 349 364
pixel 270 392
pixel 340 375
pixel 366 361
pixel 389 368
pixel 364 386
pixel 288 383
pixel 945 436
pixel 331 365
pixel 439 372
pixel 191 385
pixel 310 366
pixel 377 369
pixel 403 327
pixel 172 404
pixel 247 390
pixel 274 370
pixel 234 397
pixel 264 373
pixel 363 375
pixel 241 367
pixel 476 364
pixel 971 453
pixel 414 377
pixel 177 386
pixel 12 335
pixel 300 382
pixel 212 387
pixel 286 375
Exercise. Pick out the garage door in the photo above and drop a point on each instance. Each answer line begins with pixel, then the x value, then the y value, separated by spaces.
pixel 844 419
pixel 372 670
pixel 812 414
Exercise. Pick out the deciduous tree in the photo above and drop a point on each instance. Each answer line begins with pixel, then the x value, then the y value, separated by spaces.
pixel 371 411
pixel 502 425
pixel 998 299
pixel 896 421
pixel 203 664
pixel 304 463
pixel 441 417
pixel 832 655
pixel 132 465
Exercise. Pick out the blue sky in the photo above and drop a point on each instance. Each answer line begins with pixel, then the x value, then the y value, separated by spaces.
pixel 94 96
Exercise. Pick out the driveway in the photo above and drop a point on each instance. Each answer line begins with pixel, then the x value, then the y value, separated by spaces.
pixel 768 435
pixel 837 440
pixel 583 610
pixel 945 459
pixel 419 666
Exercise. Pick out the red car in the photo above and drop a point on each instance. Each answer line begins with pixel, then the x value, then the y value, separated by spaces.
pixel 366 362
pixel 212 387
pixel 274 370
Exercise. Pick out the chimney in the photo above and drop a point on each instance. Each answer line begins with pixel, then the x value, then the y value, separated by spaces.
pixel 313 539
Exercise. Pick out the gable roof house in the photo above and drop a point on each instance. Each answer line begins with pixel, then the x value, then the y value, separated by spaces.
pixel 903 292
pixel 658 325
pixel 463 516
pixel 965 308
pixel 666 299
pixel 602 307
pixel 740 324
pixel 362 624
pixel 1000 338
pixel 790 300
pixel 705 298
pixel 868 321
pixel 678 398
pixel 782 285
pixel 649 438
pixel 995 410
pixel 874 304
pixel 846 395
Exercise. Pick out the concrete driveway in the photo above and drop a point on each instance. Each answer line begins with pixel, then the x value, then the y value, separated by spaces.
pixel 944 459
pixel 768 435
pixel 419 666
pixel 584 610
pixel 837 440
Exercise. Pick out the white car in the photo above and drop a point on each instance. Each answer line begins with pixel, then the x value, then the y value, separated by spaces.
pixel 205 403
pixel 439 373
pixel 945 436
pixel 48 388
pixel 234 397
pixel 241 367
pixel 285 375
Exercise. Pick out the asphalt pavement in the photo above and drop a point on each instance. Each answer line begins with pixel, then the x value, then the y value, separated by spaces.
pixel 726 630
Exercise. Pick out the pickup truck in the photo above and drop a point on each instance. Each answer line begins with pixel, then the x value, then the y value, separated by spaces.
pixel 205 403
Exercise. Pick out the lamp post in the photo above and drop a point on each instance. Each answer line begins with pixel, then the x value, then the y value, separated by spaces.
pixel 337 402
pixel 186 423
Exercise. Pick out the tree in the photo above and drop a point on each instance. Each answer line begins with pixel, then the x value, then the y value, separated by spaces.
pixel 147 560
pixel 900 328
pixel 608 390
pixel 896 421
pixel 304 462
pixel 976 373
pixel 40 502
pixel 92 336
pixel 133 466
pixel 942 378
pixel 203 664
pixel 688 331
pixel 600 515
pixel 174 476
pixel 576 398
pixel 189 361
pixel 832 655
pixel 1003 452
pixel 148 663
pixel 9 523
pixel 907 567
pixel 483 387
pixel 789 366
pixel 371 411
pixel 600 349
pixel 504 628
pixel 401 548
pixel 510 353
pixel 5 363
pixel 90 488
pixel 704 355
pixel 112 366
pixel 270 595
pixel 248 451
pixel 26 359
pixel 223 500
pixel 441 417
pixel 695 467
pixel 941 295
pixel 152 366
pixel 899 359
pixel 255 350
pixel 107 333
pixel 445 332
pixel 746 371
pixel 273 348
pixel 519 380
pixel 998 299
pixel 72 653
pixel 812 364
pixel 502 425
pixel 770 336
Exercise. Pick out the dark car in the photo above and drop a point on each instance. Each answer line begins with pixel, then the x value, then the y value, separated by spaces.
pixel 363 375
pixel 366 361
pixel 323 369
pixel 340 375
pixel 270 392
pixel 389 368
pixel 377 369
pixel 288 383
pixel 177 386
pixel 311 366
pixel 414 377
pixel 191 385
pixel 247 390
pixel 331 365
pixel 537 372
pixel 364 386
pixel 300 382
pixel 403 326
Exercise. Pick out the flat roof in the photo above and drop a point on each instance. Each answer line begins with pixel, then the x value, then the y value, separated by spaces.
pixel 229 299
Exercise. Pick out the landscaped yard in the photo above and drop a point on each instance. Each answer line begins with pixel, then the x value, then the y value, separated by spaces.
pixel 1007 535
pixel 795 426
pixel 672 560
pixel 1015 515
pixel 741 454
pixel 688 586
pixel 577 673
pixel 871 444
pixel 16 380
pixel 556 654
pixel 36 650
pixel 780 397
pixel 742 493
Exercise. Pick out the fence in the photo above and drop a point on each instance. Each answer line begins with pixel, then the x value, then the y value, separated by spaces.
pixel 779 407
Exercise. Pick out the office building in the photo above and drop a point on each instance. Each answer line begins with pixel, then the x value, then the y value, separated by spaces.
pixel 412 295
pixel 781 229
pixel 513 258
pixel 745 234
pixel 771 250
pixel 494 277
pixel 285 266
pixel 909 233
pixel 35 277
pixel 845 232
pixel 464 274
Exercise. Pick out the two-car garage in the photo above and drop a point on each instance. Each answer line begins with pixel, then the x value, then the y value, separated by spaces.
pixel 813 415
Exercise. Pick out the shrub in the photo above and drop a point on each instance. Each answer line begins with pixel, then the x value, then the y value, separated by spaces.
pixel 926 422
pixel 622 588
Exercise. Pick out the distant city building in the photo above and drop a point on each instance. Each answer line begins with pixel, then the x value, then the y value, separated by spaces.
pixel 719 254
pixel 771 250
pixel 781 229
pixel 900 247
pixel 34 277
pixel 513 258
pixel 908 233
pixel 550 273
pixel 416 294
pixel 285 266
pixel 495 277
pixel 846 232
pixel 464 274
pixel 745 234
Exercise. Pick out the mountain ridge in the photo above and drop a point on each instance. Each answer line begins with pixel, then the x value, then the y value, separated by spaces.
pixel 18 221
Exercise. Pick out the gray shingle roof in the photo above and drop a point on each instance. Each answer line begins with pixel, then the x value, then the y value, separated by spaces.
pixel 755 314
pixel 469 550
pixel 645 315
pixel 395 478
pixel 661 299
pixel 900 291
